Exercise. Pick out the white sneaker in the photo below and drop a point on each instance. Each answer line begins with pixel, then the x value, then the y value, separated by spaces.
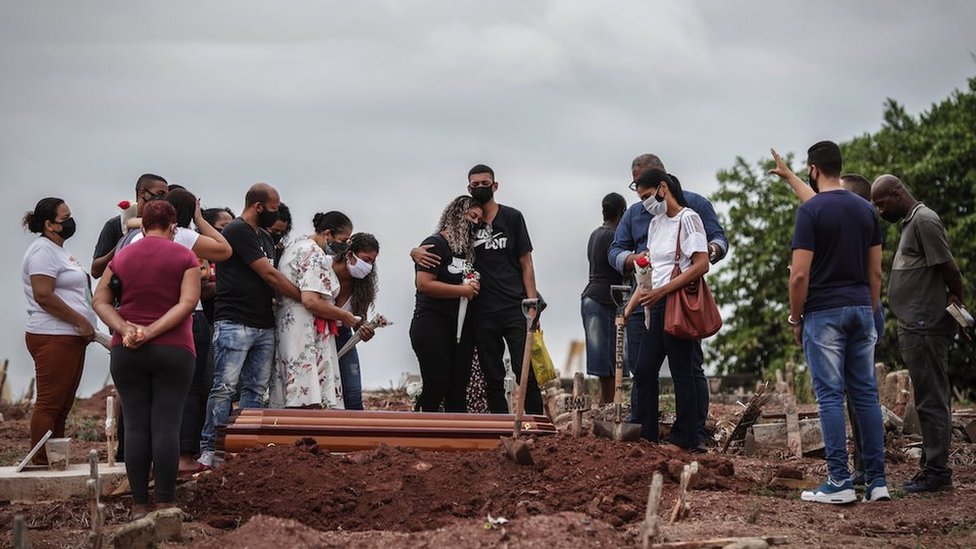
pixel 876 492
pixel 831 492
pixel 206 458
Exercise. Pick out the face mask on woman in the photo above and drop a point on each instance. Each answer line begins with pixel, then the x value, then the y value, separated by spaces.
pixel 360 269
pixel 67 228
pixel 655 205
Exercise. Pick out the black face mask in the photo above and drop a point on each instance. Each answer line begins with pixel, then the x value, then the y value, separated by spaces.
pixel 813 183
pixel 482 195
pixel 334 248
pixel 276 237
pixel 267 218
pixel 891 217
pixel 67 228
pixel 473 228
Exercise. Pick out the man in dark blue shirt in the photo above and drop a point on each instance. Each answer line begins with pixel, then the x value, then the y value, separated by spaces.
pixel 630 241
pixel 835 285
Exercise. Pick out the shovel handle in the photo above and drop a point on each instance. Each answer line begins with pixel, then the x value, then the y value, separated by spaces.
pixel 530 309
pixel 619 294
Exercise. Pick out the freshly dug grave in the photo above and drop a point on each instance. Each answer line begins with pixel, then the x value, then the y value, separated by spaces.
pixel 408 490
pixel 547 531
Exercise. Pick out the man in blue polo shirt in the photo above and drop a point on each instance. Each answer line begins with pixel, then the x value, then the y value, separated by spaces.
pixel 835 286
pixel 630 240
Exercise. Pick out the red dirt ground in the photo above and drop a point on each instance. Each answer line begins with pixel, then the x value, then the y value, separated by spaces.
pixel 581 492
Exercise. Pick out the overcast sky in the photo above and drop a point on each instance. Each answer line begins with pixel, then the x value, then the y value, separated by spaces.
pixel 378 109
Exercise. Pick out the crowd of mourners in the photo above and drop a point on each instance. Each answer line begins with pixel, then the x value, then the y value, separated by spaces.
pixel 206 309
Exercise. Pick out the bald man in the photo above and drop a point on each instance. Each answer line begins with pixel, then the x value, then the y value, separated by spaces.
pixel 924 280
pixel 244 323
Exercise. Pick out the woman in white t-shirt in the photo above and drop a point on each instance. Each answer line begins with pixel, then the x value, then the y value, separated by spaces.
pixel 664 200
pixel 60 319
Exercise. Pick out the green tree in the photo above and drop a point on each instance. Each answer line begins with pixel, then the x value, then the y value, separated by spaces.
pixel 933 153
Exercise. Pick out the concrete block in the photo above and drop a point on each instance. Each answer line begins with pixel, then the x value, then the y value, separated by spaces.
pixel 33 485
pixel 169 524
pixel 138 534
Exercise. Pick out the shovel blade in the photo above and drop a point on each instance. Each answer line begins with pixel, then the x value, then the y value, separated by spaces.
pixel 517 450
pixel 622 431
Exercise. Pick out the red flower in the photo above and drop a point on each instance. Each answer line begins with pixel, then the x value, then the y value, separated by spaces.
pixel 124 205
pixel 643 262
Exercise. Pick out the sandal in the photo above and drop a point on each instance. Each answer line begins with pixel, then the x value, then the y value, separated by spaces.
pixel 197 467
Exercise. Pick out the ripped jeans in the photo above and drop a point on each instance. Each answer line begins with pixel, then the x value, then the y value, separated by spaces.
pixel 241 354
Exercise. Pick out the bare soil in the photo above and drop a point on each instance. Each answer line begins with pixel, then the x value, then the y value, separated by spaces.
pixel 580 492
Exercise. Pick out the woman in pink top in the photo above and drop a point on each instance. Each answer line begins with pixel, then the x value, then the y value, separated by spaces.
pixel 152 349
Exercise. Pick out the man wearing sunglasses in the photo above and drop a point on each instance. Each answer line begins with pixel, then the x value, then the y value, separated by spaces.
pixel 630 241
pixel 149 187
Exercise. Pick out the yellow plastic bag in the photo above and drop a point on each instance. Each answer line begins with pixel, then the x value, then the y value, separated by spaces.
pixel 542 366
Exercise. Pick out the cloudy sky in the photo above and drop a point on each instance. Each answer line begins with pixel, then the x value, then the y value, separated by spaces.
pixel 378 109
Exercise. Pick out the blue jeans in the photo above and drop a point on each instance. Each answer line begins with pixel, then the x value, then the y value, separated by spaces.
pixel 601 337
pixel 839 346
pixel 241 354
pixel 352 383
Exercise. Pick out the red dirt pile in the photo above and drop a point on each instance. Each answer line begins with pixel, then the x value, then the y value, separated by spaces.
pixel 407 490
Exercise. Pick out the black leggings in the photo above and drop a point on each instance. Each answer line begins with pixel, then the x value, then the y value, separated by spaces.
pixel 445 364
pixel 152 381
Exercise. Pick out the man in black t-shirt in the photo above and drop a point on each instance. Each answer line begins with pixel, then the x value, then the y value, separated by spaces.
pixel 149 187
pixel 503 257
pixel 244 324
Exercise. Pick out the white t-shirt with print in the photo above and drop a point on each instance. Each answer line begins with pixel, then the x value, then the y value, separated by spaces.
pixel 71 284
pixel 662 235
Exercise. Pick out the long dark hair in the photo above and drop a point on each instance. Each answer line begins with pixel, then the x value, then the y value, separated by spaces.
pixel 652 179
pixel 185 204
pixel 45 210
pixel 363 290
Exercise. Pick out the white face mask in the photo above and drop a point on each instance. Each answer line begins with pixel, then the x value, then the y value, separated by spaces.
pixel 655 205
pixel 360 269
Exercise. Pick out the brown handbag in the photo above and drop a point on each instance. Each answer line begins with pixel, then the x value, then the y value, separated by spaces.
pixel 690 312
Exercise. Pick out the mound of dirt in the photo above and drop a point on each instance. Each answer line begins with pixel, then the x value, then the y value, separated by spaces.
pixel 406 490
pixel 560 530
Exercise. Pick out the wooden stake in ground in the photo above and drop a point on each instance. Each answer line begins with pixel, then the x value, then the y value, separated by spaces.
pixel 749 417
pixel 110 430
pixel 650 528
pixel 97 507
pixel 681 506
pixel 576 408
pixel 21 541
pixel 3 378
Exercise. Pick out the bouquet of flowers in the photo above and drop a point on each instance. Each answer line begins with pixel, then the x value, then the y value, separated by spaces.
pixel 642 273
pixel 128 212
pixel 470 276
pixel 379 321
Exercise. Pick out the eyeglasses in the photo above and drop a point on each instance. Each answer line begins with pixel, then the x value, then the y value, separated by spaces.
pixel 155 196
pixel 633 185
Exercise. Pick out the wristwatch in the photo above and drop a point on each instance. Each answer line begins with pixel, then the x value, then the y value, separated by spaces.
pixel 794 322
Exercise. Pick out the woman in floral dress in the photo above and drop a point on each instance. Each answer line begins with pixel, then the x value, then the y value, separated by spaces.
pixel 306 366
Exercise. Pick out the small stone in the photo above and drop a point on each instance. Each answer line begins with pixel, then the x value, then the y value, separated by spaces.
pixel 422 466
pixel 755 543
pixel 168 523
pixel 138 534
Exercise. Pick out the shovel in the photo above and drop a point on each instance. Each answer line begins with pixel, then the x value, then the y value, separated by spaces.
pixel 618 429
pixel 517 449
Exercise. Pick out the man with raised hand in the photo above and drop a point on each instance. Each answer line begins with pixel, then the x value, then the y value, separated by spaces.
pixel 924 280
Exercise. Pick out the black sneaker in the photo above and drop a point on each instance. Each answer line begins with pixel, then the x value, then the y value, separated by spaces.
pixel 858 478
pixel 927 482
